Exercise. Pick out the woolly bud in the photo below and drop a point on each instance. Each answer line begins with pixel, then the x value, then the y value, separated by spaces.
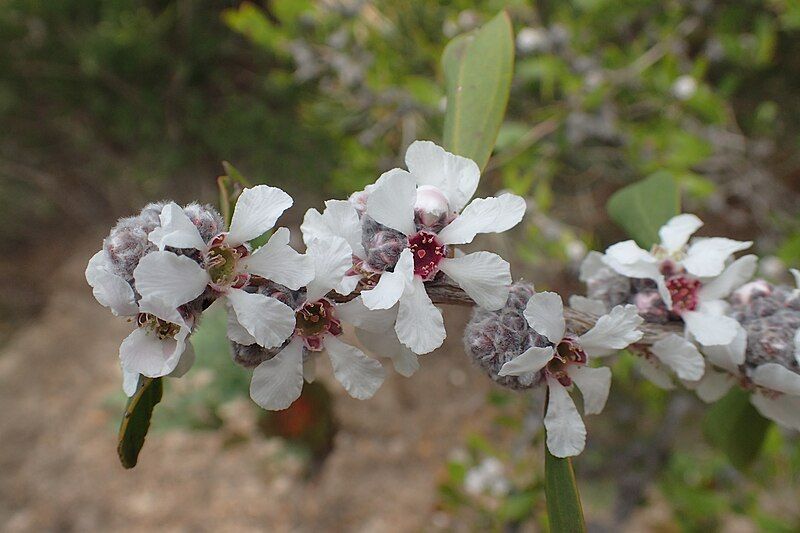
pixel 492 338
pixel 127 243
pixel 771 339
pixel 651 307
pixel 383 245
pixel 207 220
pixel 253 355
pixel 609 287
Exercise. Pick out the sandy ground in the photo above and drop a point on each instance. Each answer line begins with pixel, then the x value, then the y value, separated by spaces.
pixel 60 471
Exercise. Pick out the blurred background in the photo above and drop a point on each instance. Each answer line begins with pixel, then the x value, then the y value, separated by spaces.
pixel 106 105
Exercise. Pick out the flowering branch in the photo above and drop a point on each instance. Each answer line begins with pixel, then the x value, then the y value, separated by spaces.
pixel 579 322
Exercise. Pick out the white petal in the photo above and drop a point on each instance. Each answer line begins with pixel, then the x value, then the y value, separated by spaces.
pixel 706 257
pixel 331 259
pixel 681 356
pixel 710 329
pixel 778 378
pixel 359 315
pixel 587 305
pixel 784 410
pixel 484 215
pixel 653 372
pixel 172 279
pixel 310 369
pixel 359 375
pixel 185 362
pixel 109 289
pixel 628 259
pixel 144 353
pixel 279 262
pixel 594 384
pixel 545 314
pixel 278 382
pixel 592 265
pixel 454 175
pixel 729 356
pixel 484 276
pixel 268 320
pixel 176 230
pixel 419 323
pixel 566 434
pixel 386 344
pixel 714 385
pixel 130 382
pixel 257 210
pixel 733 277
pixel 531 360
pixel 391 285
pixel 391 202
pixel 676 232
pixel 153 306
pixel 339 219
pixel 348 285
pixel 797 346
pixel 613 331
pixel 796 276
pixel 236 331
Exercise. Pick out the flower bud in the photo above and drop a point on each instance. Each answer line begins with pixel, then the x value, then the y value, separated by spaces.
pixel 207 220
pixel 383 245
pixel 431 205
pixel 492 338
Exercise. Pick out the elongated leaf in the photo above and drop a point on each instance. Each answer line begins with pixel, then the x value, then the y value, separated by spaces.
pixel 735 427
pixel 564 509
pixel 136 420
pixel 642 208
pixel 477 68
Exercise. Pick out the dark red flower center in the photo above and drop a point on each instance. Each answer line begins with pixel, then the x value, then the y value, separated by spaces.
pixel 314 320
pixel 568 353
pixel 683 291
pixel 428 251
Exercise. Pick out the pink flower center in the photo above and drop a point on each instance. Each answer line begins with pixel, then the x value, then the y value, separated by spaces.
pixel 683 291
pixel 221 260
pixel 314 320
pixel 568 353
pixel 428 251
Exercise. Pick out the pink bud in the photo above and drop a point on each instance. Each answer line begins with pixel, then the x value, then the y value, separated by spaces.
pixel 431 204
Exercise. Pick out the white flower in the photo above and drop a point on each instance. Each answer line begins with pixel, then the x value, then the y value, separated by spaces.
pixel 341 219
pixel 775 388
pixel 692 281
pixel 277 382
pixel 565 361
pixel 488 477
pixel 159 344
pixel 436 177
pixel 228 264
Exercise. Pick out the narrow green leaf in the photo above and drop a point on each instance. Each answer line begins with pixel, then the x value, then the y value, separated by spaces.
pixel 643 207
pixel 478 67
pixel 136 420
pixel 235 175
pixel 734 426
pixel 564 509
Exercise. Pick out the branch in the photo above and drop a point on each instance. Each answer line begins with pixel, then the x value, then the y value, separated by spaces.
pixel 577 321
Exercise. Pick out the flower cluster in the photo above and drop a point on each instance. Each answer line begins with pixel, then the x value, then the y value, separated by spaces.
pixel 368 263
pixel 372 263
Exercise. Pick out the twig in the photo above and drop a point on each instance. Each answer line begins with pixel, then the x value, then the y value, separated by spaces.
pixel 577 321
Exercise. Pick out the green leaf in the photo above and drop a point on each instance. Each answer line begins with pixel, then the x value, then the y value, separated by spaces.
pixel 564 509
pixel 734 427
pixel 643 207
pixel 136 420
pixel 477 69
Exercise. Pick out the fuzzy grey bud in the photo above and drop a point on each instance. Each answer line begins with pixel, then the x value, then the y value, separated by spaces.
pixel 383 245
pixel 492 338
